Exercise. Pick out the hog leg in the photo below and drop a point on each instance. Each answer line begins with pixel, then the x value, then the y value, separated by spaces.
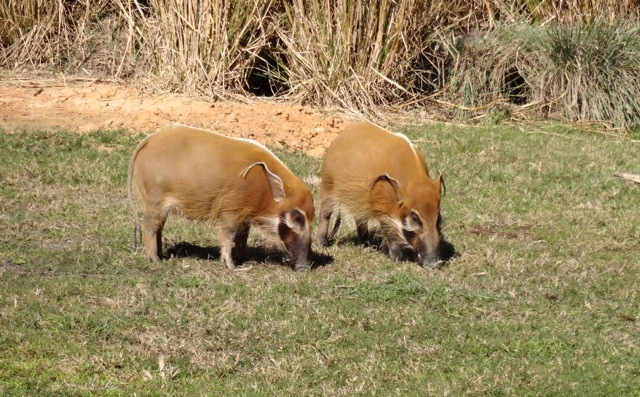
pixel 363 231
pixel 391 248
pixel 326 209
pixel 395 250
pixel 228 233
pixel 152 224
pixel 240 241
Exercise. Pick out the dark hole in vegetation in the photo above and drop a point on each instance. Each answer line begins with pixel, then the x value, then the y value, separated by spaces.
pixel 431 68
pixel 267 77
pixel 145 7
pixel 515 87
pixel 426 75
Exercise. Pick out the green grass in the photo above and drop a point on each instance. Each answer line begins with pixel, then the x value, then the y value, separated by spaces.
pixel 541 299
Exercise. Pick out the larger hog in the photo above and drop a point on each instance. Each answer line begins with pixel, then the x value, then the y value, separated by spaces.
pixel 378 175
pixel 236 182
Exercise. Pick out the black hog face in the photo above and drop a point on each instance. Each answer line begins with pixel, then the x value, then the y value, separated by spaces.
pixel 294 231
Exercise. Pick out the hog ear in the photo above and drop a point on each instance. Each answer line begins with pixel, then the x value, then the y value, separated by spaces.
pixel 394 184
pixel 275 182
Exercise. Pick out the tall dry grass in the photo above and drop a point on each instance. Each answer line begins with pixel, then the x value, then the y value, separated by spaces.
pixel 207 45
pixel 348 54
pixel 204 47
pixel 352 54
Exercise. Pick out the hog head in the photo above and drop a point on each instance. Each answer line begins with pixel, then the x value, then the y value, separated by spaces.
pixel 415 218
pixel 295 215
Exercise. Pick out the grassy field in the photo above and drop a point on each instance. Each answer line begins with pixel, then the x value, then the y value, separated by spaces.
pixel 542 297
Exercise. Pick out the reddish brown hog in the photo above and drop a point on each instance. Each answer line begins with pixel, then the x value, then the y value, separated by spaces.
pixel 236 182
pixel 378 175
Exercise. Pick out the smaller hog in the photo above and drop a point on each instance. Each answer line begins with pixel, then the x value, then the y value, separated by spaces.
pixel 236 182
pixel 377 175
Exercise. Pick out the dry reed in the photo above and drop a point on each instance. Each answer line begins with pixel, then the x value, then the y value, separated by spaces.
pixel 352 54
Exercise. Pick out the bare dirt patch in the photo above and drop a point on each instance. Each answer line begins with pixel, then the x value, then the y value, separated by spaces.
pixel 88 105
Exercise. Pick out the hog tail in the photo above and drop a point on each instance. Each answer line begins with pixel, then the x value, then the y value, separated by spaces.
pixel 336 226
pixel 137 231
pixel 137 234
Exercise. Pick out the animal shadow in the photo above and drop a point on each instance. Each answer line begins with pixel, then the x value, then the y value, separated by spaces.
pixel 447 250
pixel 319 259
pixel 253 255
pixel 188 250
pixel 374 241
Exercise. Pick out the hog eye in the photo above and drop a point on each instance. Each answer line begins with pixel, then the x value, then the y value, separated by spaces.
pixel 416 218
pixel 298 217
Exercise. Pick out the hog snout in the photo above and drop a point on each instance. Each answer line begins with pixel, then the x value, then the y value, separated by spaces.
pixel 298 253
pixel 302 266
pixel 428 253
pixel 429 260
pixel 296 236
pixel 299 256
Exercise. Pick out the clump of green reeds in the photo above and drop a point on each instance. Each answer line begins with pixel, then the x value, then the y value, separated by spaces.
pixel 579 72
pixel 594 73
